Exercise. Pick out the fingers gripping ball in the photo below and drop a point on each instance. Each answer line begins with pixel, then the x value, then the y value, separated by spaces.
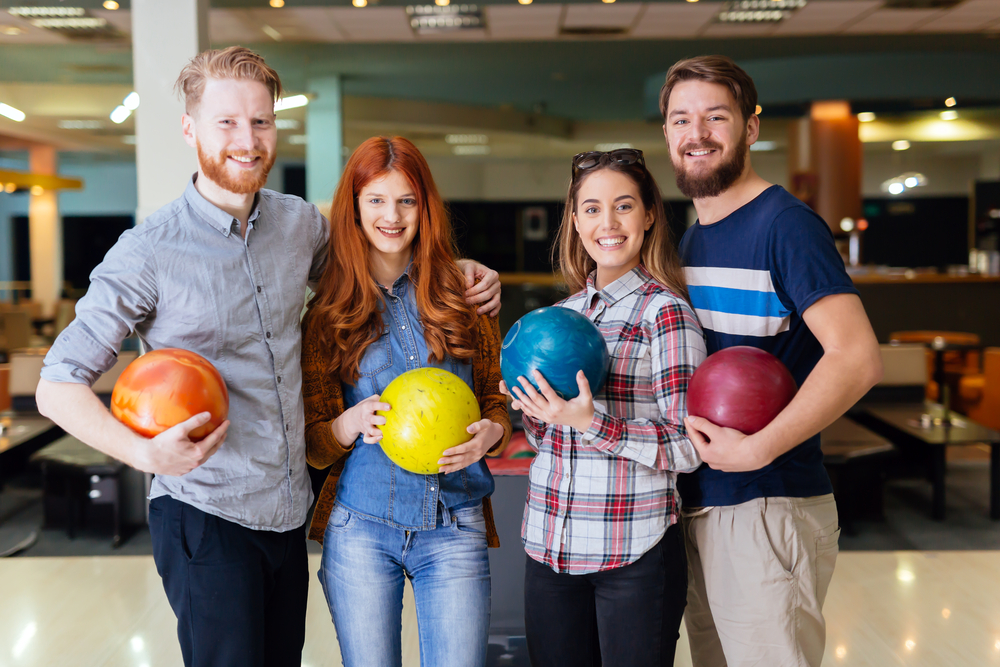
pixel 164 387
pixel 431 410
pixel 740 387
pixel 558 342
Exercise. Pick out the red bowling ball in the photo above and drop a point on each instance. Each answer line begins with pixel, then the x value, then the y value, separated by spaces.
pixel 740 387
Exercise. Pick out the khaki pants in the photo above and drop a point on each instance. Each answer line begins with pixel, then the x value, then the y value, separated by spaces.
pixel 758 575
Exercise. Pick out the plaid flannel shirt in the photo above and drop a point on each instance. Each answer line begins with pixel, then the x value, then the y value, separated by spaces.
pixel 600 499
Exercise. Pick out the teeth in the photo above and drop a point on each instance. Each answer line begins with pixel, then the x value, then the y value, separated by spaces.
pixel 391 232
pixel 242 159
pixel 607 243
pixel 705 152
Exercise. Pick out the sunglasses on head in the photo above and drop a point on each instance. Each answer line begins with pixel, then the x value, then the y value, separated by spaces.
pixel 591 159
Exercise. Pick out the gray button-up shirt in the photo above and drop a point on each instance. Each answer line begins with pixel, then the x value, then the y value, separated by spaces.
pixel 185 278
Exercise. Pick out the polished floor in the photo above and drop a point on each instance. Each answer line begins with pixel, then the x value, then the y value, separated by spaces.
pixel 927 609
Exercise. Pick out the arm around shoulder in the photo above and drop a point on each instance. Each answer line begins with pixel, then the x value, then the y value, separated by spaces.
pixel 323 399
pixel 487 377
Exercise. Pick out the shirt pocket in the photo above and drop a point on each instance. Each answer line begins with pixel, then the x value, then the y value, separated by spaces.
pixel 376 364
pixel 630 360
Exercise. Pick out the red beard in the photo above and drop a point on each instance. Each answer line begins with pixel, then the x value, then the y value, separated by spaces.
pixel 244 182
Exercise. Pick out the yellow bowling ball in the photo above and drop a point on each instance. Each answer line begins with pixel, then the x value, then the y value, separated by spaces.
pixel 431 408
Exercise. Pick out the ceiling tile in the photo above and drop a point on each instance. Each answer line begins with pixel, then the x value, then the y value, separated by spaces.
pixel 300 24
pixel 825 16
pixel 618 15
pixel 675 20
pixel 373 24
pixel 523 22
pixel 738 29
pixel 970 16
pixel 893 20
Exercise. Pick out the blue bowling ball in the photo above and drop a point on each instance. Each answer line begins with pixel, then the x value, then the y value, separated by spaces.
pixel 558 342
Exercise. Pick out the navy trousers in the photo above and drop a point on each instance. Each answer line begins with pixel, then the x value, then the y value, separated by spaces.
pixel 626 617
pixel 239 594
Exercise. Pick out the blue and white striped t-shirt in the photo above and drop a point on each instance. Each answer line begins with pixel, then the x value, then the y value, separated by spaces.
pixel 750 277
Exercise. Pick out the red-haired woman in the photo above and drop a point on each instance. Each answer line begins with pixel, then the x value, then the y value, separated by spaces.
pixel 391 300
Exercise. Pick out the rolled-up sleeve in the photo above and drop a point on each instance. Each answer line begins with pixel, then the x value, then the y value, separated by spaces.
pixel 122 293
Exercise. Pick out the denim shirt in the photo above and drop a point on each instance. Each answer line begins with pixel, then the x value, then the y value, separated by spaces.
pixel 371 484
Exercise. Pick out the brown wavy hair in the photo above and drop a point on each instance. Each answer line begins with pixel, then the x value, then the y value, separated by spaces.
pixel 658 253
pixel 346 313
pixel 713 69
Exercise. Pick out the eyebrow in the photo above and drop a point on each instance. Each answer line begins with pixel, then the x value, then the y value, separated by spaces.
pixel 379 194
pixel 718 107
pixel 594 201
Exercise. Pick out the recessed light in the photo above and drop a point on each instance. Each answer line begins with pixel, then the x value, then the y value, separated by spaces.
pixel 110 5
pixel 866 116
pixel 950 114
pixel 277 4
pixel 37 190
pixel 524 2
pixel 120 114
pixel 10 30
pixel 292 102
pixel 12 113
pixel 950 102
pixel 901 145
pixel 359 3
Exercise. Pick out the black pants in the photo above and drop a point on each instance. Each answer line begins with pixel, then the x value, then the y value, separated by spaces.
pixel 239 594
pixel 626 617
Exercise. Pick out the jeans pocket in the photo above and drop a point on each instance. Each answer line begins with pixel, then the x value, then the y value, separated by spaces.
pixel 778 536
pixel 469 520
pixel 340 519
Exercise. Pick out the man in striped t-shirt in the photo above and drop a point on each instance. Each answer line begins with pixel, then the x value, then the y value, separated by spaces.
pixel 762 270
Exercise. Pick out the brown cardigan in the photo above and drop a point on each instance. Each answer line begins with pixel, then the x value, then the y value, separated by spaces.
pixel 324 402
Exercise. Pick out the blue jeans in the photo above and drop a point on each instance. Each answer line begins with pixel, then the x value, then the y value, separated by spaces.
pixel 362 572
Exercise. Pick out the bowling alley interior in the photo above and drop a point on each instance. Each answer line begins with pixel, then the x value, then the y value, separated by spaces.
pixel 882 115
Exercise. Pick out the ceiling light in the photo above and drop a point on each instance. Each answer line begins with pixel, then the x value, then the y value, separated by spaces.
pixel 277 4
pixel 866 116
pixel 80 124
pixel 758 11
pixel 271 32
pixel 950 102
pixel 120 114
pixel 692 0
pixel 86 23
pixel 292 102
pixel 950 114
pixel 110 5
pixel 471 150
pixel 359 3
pixel 466 139
pixel 10 187
pixel 847 224
pixel 12 113
pixel 37 190
pixel 763 146
pixel 10 30
pixel 524 2
pixel 431 19
pixel 901 145
pixel 896 188
pixel 910 182
pixel 38 12
pixel 131 101
pixel 442 3
pixel 607 2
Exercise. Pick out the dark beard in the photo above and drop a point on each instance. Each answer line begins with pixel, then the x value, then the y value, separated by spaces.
pixel 247 182
pixel 718 181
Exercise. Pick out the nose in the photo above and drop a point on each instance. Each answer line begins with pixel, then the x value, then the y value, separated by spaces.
pixel 391 214
pixel 243 137
pixel 699 129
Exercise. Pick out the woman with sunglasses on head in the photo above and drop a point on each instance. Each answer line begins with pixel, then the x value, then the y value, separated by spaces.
pixel 606 574
pixel 391 299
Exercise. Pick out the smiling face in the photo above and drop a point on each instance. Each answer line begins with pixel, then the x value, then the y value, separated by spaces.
pixel 612 222
pixel 707 137
pixel 389 217
pixel 234 131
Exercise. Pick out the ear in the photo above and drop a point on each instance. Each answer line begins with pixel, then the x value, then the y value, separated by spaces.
pixel 753 129
pixel 649 220
pixel 576 223
pixel 188 130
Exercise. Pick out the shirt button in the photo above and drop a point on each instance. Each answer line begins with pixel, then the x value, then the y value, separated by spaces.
pixel 268 334
pixel 411 357
pixel 403 328
pixel 432 488
pixel 258 289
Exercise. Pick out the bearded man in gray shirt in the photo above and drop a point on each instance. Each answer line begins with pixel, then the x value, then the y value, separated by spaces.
pixel 222 271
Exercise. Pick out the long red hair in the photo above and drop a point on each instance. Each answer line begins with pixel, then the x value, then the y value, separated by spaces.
pixel 346 313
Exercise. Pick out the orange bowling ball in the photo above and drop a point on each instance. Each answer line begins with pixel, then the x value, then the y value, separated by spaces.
pixel 164 387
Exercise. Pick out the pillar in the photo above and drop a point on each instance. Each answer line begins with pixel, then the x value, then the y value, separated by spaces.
pixel 324 140
pixel 165 36
pixel 824 159
pixel 45 234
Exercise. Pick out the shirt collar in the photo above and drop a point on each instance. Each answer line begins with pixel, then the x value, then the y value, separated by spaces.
pixel 211 213
pixel 619 289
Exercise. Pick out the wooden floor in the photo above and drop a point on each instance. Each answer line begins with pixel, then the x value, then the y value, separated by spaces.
pixel 905 608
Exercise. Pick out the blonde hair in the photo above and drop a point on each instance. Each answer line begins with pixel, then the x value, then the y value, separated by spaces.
pixel 658 253
pixel 235 62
